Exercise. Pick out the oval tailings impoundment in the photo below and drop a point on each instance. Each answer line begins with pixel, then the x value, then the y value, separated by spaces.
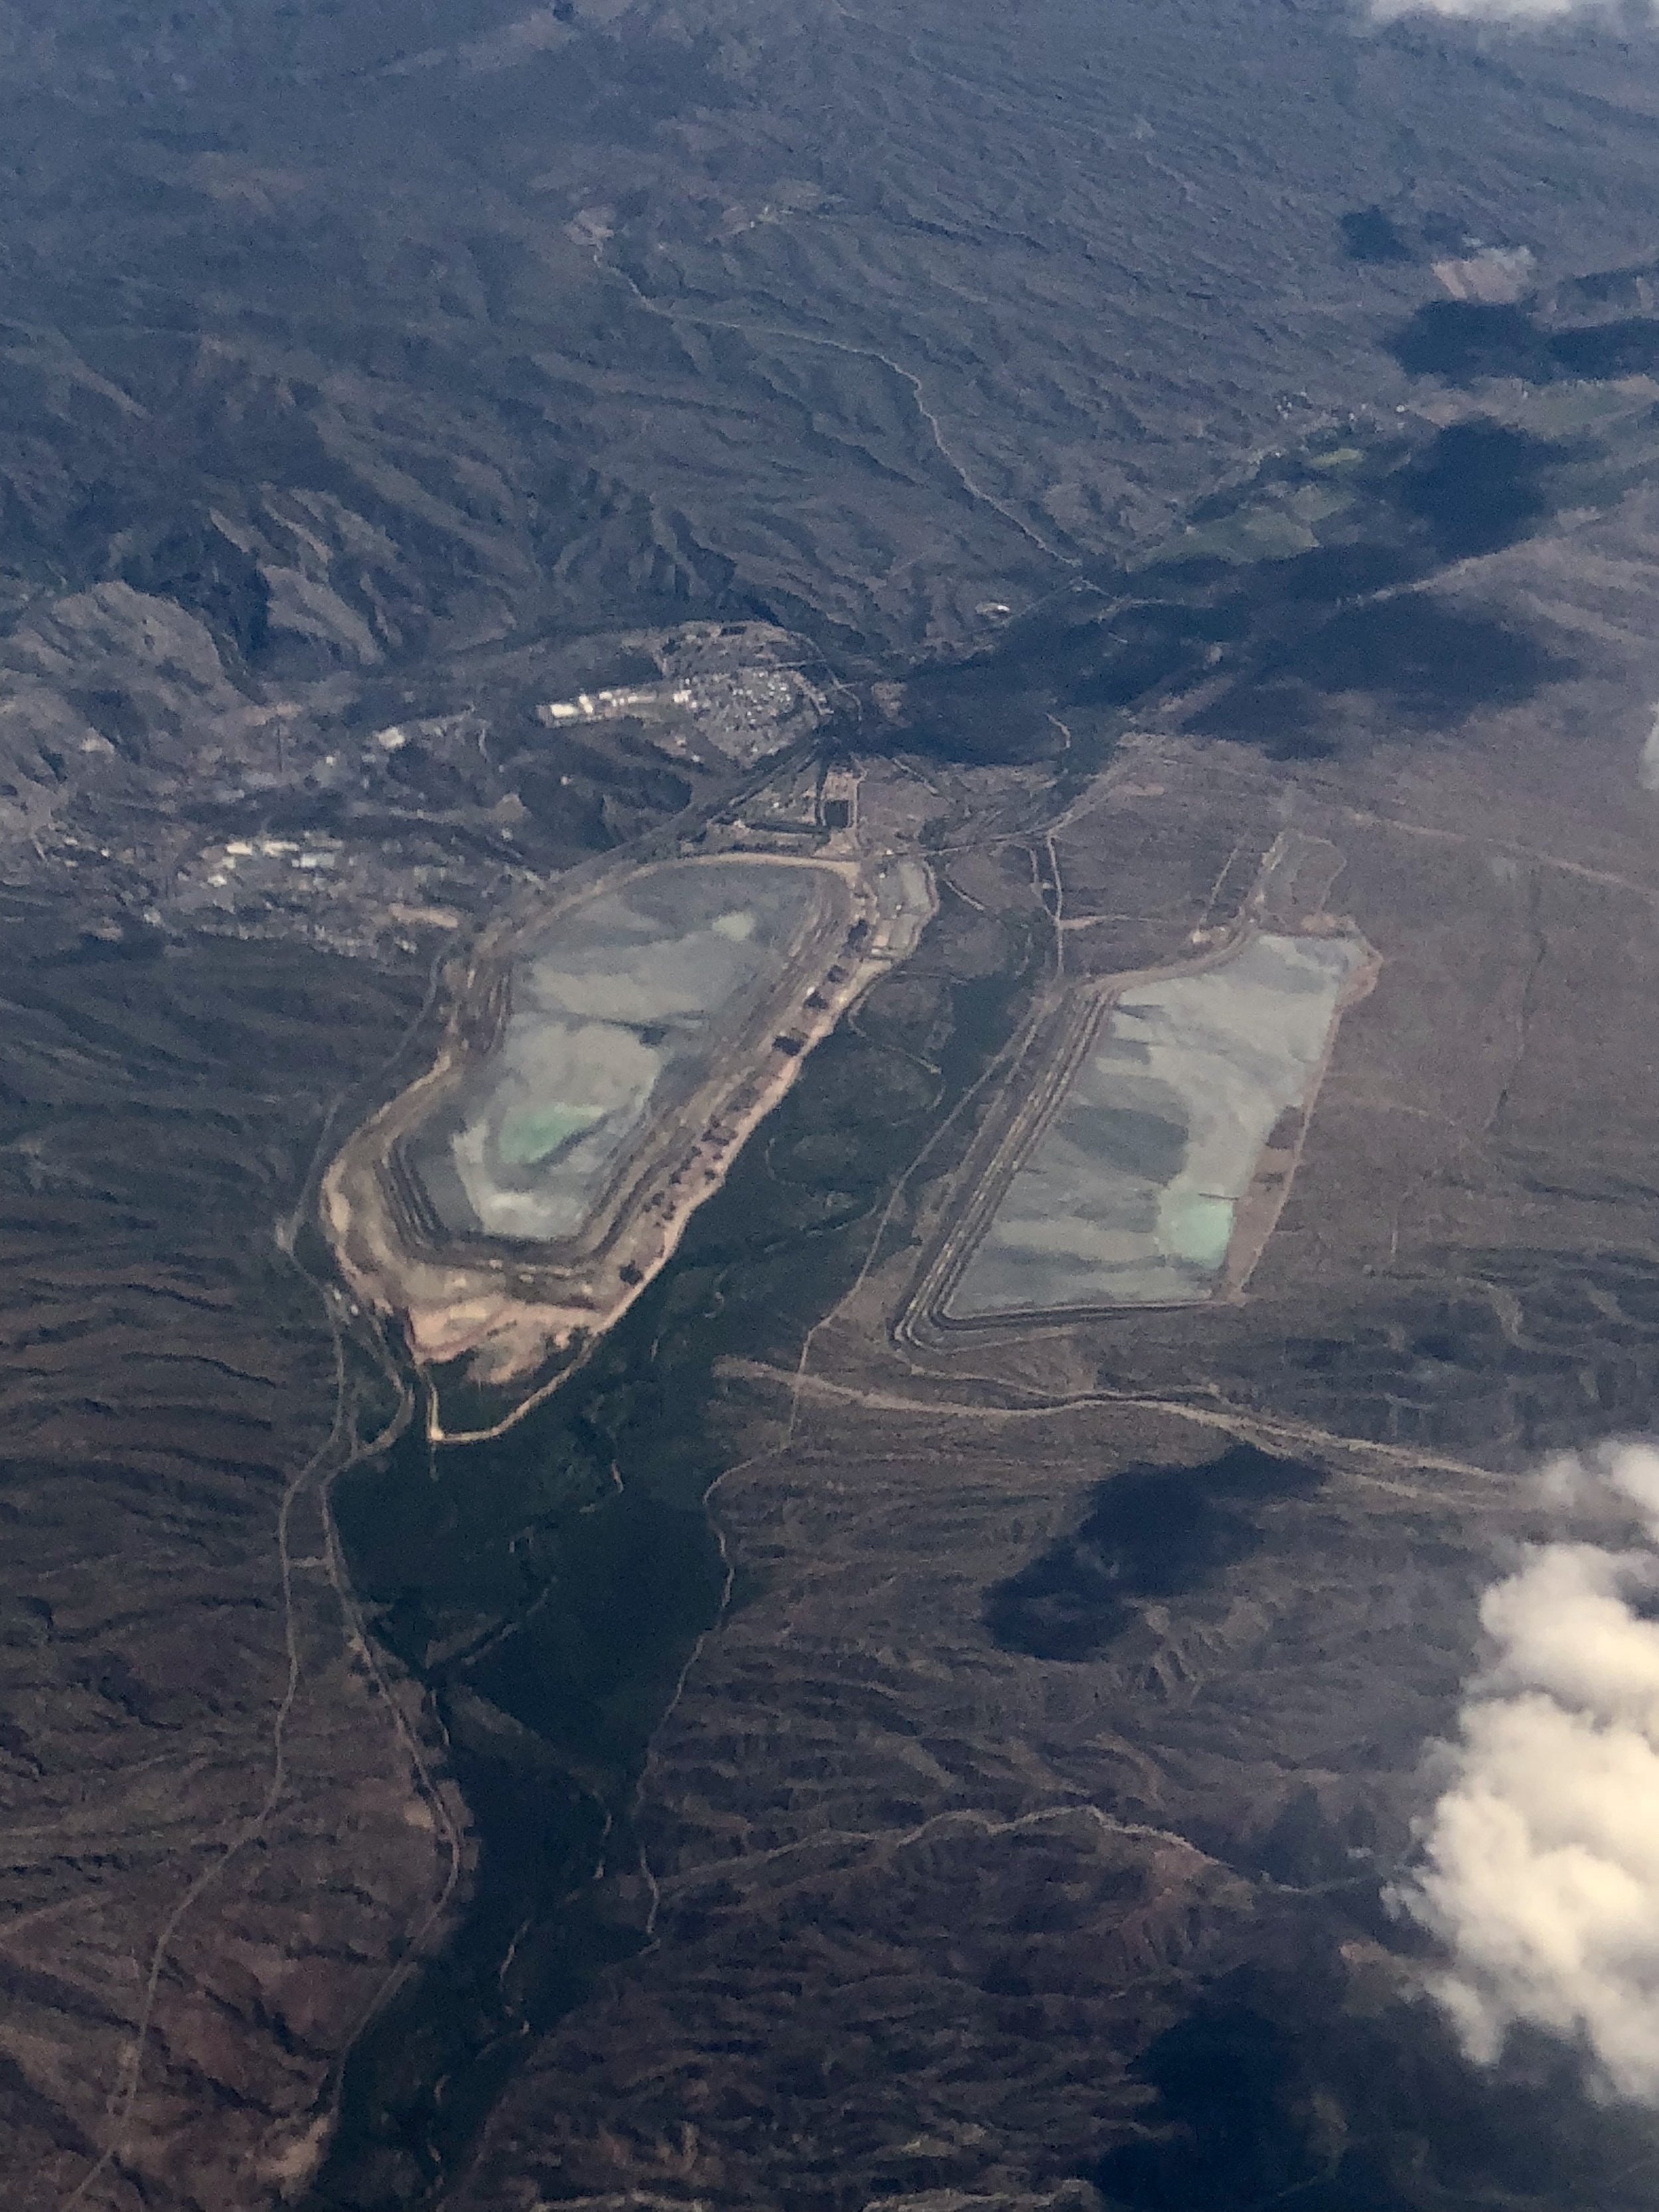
pixel 600 1073
pixel 620 1009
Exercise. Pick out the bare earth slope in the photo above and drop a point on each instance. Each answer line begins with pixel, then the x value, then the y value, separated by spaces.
pixel 217 1834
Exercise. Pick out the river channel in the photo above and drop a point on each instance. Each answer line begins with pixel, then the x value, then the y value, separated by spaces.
pixel 546 1589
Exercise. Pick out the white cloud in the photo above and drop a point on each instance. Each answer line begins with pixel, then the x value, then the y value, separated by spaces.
pixel 1540 1860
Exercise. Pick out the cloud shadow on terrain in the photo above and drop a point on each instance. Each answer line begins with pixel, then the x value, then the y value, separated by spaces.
pixel 1278 639
pixel 1426 661
pixel 1478 486
pixel 1275 2088
pixel 1464 340
pixel 1420 662
pixel 1369 234
pixel 1149 1533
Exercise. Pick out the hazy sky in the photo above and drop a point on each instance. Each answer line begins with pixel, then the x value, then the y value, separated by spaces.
pixel 1496 11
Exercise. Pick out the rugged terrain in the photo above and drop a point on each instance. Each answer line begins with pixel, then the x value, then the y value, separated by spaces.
pixel 1074 1669
pixel 1025 382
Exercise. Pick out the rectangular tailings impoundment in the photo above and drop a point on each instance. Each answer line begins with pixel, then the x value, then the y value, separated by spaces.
pixel 1130 1193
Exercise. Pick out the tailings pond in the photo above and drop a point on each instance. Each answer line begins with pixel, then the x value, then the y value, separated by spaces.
pixel 1130 1193
pixel 621 1008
